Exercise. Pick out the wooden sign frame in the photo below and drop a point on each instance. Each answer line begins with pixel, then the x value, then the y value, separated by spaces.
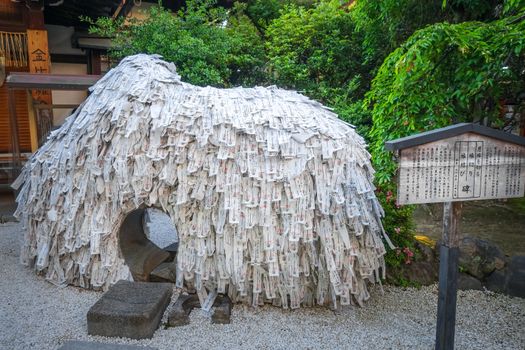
pixel 451 165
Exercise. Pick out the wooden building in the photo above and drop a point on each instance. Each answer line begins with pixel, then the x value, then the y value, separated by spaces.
pixel 45 37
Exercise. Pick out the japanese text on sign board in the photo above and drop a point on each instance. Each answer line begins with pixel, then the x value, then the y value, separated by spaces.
pixel 465 167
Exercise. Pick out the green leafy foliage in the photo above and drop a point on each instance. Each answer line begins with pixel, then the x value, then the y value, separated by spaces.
pixel 263 12
pixel 443 74
pixel 512 7
pixel 386 24
pixel 208 46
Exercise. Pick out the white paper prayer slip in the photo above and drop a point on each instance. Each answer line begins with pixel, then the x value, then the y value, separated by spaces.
pixel 270 192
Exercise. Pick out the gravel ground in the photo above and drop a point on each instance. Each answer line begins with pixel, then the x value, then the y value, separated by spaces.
pixel 35 314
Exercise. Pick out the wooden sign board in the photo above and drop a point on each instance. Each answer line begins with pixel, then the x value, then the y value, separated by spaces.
pixel 454 164
pixel 461 168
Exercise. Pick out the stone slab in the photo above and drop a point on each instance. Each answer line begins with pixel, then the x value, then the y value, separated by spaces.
pixel 165 272
pixel 172 249
pixel 129 309
pixel 180 312
pixel 90 345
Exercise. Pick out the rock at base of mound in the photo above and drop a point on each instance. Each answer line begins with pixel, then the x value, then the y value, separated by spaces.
pixel 468 282
pixel 516 281
pixel 423 271
pixel 129 309
pixel 165 272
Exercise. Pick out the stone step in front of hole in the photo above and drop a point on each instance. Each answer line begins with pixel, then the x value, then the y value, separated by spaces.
pixel 130 310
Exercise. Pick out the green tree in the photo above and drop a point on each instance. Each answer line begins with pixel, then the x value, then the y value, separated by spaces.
pixel 208 45
pixel 386 24
pixel 263 12
pixel 443 74
pixel 317 51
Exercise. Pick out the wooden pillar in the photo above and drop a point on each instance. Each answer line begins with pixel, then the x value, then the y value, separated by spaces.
pixel 39 60
pixel 33 122
pixel 448 276
pixel 94 62
pixel 13 126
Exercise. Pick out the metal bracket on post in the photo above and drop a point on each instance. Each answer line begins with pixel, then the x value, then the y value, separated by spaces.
pixel 448 276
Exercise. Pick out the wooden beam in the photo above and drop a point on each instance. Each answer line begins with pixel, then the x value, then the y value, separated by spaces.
pixel 50 81
pixel 119 8
pixel 57 106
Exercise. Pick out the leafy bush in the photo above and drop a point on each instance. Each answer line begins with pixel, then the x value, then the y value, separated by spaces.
pixel 263 12
pixel 444 74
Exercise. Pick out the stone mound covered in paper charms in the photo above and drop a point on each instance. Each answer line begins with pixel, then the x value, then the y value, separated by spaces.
pixel 270 192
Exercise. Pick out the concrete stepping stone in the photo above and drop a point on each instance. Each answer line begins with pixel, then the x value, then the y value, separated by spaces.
pixel 91 345
pixel 129 309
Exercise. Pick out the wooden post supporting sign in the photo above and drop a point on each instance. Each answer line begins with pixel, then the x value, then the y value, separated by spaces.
pixel 448 276
pixel 450 165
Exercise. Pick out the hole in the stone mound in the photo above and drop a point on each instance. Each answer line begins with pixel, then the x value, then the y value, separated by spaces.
pixel 143 257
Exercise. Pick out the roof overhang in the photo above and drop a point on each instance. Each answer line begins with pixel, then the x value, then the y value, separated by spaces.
pixel 451 131
pixel 93 43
